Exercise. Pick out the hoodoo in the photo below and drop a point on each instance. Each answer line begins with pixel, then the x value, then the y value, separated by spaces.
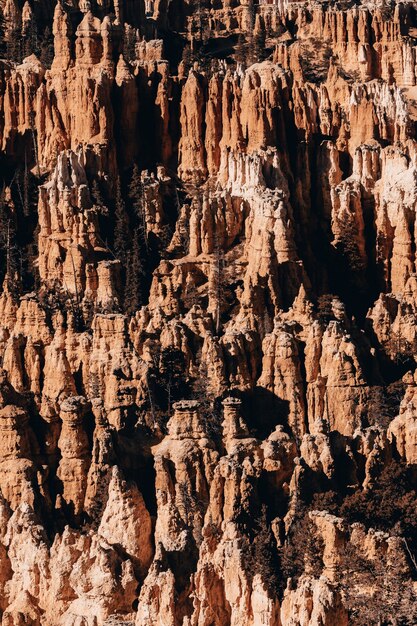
pixel 208 304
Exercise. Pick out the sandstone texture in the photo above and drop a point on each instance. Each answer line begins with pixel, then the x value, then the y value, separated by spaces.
pixel 208 335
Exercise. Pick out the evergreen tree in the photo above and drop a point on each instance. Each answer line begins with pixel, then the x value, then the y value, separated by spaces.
pixel 303 548
pixel 265 554
pixel 14 45
pixel 252 16
pixel 187 58
pixel 259 42
pixel 325 308
pixel 129 43
pixel 30 41
pixel 255 49
pixel 197 21
pixel 26 185
pixel 26 190
pixel 47 48
pixel 134 274
pixel 168 378
pixel 241 50
pixel 121 228
pixel 11 261
pixel 218 285
pixel 136 197
pixel 32 261
pixel 3 45
pixel 350 249
pixel 375 591
pixel 98 199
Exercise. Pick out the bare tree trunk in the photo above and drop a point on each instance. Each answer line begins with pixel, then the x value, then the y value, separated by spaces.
pixel 151 403
pixel 8 252
pixel 35 145
pixel 169 386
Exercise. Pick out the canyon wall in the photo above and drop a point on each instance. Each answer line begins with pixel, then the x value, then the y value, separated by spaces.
pixel 208 397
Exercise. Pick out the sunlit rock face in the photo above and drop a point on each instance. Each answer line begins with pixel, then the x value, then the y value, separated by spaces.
pixel 208 405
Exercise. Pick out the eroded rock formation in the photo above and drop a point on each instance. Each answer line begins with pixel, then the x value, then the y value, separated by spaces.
pixel 208 410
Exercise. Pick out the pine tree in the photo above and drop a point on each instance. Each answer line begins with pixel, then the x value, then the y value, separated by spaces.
pixel 26 190
pixel 251 45
pixel 136 197
pixel 265 553
pixel 349 247
pixel 134 274
pixel 217 284
pixel 259 42
pixel 121 228
pixel 197 21
pixel 168 378
pixel 129 43
pixel 241 50
pixel 8 245
pixel 251 14
pixel 187 58
pixel 325 308
pixel 3 45
pixel 12 259
pixel 32 261
pixel 14 45
pixel 98 199
pixel 30 42
pixel 47 48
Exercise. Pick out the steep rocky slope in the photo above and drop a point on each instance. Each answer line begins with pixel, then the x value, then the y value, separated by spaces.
pixel 208 398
